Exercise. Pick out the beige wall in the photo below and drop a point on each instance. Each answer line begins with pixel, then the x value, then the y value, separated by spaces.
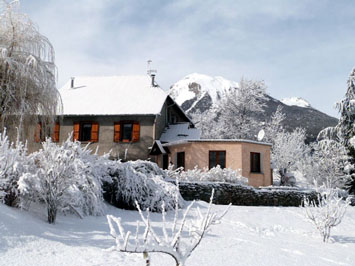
pixel 237 158
pixel 137 150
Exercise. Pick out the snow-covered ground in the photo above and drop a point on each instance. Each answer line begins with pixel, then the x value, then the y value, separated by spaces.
pixel 247 236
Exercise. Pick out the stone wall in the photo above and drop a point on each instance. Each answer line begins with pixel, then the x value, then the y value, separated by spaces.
pixel 226 193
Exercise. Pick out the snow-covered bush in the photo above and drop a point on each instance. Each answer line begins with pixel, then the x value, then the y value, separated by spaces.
pixel 215 174
pixel 13 163
pixel 328 211
pixel 179 238
pixel 288 151
pixel 328 164
pixel 140 181
pixel 67 178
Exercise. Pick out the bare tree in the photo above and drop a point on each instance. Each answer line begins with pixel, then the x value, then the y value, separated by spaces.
pixel 27 72
pixel 179 242
pixel 327 211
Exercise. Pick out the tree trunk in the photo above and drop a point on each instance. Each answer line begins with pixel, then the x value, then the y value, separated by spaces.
pixel 52 212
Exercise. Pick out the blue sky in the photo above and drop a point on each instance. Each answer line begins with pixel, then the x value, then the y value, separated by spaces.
pixel 299 47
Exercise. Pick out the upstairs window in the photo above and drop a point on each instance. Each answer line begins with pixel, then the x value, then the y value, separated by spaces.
pixel 217 158
pixel 255 162
pixel 42 132
pixel 86 131
pixel 127 131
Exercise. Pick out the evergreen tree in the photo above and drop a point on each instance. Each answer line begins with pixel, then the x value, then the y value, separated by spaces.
pixel 346 125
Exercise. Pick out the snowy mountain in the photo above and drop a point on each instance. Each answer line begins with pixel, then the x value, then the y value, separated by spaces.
pixel 296 101
pixel 195 87
pixel 200 92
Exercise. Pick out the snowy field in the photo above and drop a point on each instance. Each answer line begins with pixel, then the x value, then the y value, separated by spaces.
pixel 247 236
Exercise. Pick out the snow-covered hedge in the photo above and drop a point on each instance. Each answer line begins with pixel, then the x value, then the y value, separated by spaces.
pixel 13 163
pixel 215 174
pixel 141 181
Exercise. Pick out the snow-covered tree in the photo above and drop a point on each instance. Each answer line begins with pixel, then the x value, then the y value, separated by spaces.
pixel 67 178
pixel 346 125
pixel 13 163
pixel 178 240
pixel 328 164
pixel 288 150
pixel 327 211
pixel 208 123
pixel 238 108
pixel 141 182
pixel 27 72
pixel 274 125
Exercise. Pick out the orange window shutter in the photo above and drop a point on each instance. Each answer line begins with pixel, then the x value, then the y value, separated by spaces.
pixel 76 131
pixel 38 133
pixel 56 130
pixel 136 132
pixel 95 132
pixel 117 133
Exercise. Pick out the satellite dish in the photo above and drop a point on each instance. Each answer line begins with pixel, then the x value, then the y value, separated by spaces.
pixel 261 135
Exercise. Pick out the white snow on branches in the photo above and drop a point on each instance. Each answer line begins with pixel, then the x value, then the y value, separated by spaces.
pixel 144 182
pixel 67 178
pixel 327 212
pixel 13 163
pixel 215 174
pixel 27 71
pixel 179 239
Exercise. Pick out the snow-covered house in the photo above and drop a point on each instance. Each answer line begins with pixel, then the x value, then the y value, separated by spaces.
pixel 122 115
pixel 131 118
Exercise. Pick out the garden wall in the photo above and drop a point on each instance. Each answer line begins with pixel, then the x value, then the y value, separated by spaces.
pixel 226 193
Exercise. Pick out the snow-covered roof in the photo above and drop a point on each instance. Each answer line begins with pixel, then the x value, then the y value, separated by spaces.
pixel 112 95
pixel 180 131
pixel 214 140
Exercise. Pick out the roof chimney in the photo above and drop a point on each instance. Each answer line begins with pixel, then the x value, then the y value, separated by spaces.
pixel 72 82
pixel 151 73
pixel 153 79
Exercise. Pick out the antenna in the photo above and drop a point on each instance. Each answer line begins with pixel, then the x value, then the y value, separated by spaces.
pixel 149 70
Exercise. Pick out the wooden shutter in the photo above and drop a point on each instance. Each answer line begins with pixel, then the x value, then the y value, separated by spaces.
pixel 76 132
pixel 136 132
pixel 38 132
pixel 56 130
pixel 117 133
pixel 94 132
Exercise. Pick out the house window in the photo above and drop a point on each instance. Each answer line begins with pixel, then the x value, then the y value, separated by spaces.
pixel 86 131
pixel 180 160
pixel 165 161
pixel 217 158
pixel 42 132
pixel 127 131
pixel 255 162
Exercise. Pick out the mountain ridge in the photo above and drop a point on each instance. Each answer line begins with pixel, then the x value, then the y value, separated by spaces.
pixel 199 92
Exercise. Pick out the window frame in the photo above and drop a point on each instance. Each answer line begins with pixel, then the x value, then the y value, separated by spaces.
pixel 256 170
pixel 81 123
pixel 121 131
pixel 217 158
pixel 177 159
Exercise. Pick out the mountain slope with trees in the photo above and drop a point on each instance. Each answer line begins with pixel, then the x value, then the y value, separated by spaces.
pixel 199 93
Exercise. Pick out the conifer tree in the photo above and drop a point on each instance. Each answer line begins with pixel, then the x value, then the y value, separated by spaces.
pixel 346 125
